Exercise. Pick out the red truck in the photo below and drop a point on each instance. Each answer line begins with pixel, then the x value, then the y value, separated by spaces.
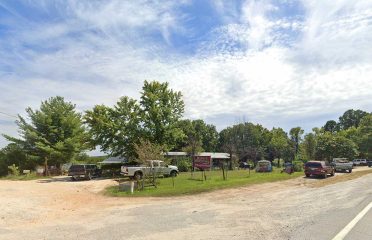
pixel 319 168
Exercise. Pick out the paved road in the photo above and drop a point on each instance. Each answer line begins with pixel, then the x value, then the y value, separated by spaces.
pixel 351 199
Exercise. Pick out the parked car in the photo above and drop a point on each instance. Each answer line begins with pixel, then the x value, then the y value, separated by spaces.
pixel 264 166
pixel 342 164
pixel 319 168
pixel 84 171
pixel 159 167
pixel 369 163
pixel 245 165
pixel 360 162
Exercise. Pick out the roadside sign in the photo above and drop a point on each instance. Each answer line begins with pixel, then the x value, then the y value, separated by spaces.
pixel 202 162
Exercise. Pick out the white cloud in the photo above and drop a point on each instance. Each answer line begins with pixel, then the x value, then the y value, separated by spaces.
pixel 258 64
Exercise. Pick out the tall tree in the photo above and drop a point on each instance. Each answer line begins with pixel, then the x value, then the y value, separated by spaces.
pixel 331 126
pixel 54 134
pixel 351 118
pixel 116 129
pixel 365 133
pixel 197 131
pixel 278 143
pixel 161 108
pixel 332 146
pixel 309 145
pixel 296 137
pixel 154 119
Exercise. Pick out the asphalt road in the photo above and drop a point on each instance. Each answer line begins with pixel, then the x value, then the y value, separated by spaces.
pixel 339 211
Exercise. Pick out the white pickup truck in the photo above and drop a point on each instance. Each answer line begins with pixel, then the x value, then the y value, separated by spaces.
pixel 155 166
pixel 342 164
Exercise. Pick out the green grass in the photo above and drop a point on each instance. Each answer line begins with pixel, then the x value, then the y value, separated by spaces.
pixel 23 177
pixel 185 185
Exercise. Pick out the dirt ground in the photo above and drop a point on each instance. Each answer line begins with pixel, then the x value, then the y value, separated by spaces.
pixel 58 208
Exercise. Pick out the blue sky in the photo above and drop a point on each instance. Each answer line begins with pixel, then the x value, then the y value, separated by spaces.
pixel 279 63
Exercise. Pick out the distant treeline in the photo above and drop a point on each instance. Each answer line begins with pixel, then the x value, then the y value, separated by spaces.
pixel 56 133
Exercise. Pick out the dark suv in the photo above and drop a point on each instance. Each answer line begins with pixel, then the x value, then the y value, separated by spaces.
pixel 319 168
pixel 84 171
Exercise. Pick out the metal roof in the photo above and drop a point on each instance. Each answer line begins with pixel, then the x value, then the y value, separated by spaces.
pixel 211 154
pixel 113 160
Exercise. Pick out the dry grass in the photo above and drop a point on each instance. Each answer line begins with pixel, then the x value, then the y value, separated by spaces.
pixel 341 178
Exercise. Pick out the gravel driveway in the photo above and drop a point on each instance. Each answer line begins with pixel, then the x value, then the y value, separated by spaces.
pixel 61 209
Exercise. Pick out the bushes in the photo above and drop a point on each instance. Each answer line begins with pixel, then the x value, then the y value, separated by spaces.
pixel 184 165
pixel 13 170
pixel 298 166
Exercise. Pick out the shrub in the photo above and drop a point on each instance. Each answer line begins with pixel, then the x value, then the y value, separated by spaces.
pixel 13 170
pixel 298 166
pixel 184 165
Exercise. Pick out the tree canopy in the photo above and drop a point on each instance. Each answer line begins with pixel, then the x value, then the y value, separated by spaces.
pixel 154 118
pixel 53 133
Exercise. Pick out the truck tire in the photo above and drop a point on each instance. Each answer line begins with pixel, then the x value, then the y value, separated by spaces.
pixel 88 176
pixel 173 174
pixel 350 170
pixel 137 176
pixel 333 173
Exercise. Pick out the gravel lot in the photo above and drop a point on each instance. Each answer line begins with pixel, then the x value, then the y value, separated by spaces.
pixel 61 209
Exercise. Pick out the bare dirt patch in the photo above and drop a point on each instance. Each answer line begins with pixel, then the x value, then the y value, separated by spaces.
pixel 61 209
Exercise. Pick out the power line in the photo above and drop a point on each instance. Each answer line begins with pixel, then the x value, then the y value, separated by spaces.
pixel 9 115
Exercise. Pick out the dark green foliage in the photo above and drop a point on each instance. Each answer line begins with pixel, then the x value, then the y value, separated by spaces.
pixel 278 144
pixel 3 165
pixel 161 108
pixel 309 146
pixel 365 133
pixel 332 146
pixel 246 140
pixel 197 133
pixel 116 130
pixel 54 134
pixel 296 138
pixel 351 118
pixel 331 126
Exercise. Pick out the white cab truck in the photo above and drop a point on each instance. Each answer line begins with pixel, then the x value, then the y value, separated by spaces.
pixel 157 166
pixel 342 164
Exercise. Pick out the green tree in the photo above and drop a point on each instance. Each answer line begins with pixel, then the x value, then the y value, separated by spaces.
pixel 296 137
pixel 116 130
pixel 331 126
pixel 227 142
pixel 309 146
pixel 54 134
pixel 278 143
pixel 332 146
pixel 197 132
pixel 365 133
pixel 3 164
pixel 161 109
pixel 351 118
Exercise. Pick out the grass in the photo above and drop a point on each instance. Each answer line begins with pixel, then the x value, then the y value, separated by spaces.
pixel 185 185
pixel 23 177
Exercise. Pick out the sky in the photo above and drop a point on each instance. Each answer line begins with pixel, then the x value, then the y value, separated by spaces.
pixel 280 63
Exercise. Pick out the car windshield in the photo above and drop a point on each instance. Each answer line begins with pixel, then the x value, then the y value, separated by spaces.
pixel 313 164
pixel 263 164
pixel 77 168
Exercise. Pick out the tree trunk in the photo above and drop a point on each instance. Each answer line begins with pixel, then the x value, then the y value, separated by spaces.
pixel 46 169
